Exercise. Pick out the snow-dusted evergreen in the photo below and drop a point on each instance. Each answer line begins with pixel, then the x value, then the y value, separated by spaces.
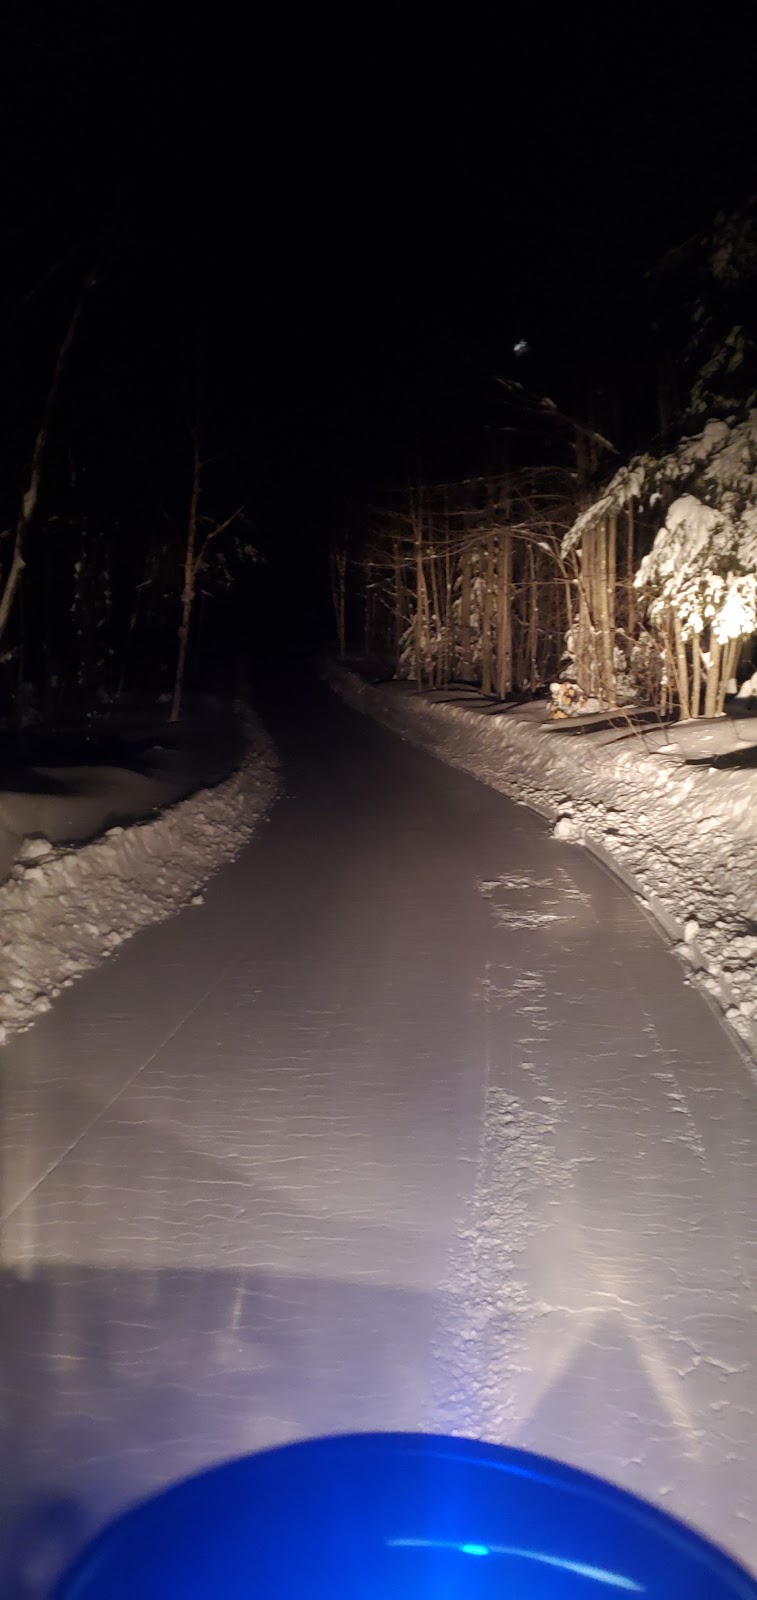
pixel 697 585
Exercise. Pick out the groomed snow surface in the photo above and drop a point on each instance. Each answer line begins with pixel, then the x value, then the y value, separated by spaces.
pixel 412 1123
pixel 64 909
pixel 681 832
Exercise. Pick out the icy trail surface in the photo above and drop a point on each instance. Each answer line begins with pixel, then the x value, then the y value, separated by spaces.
pixel 412 1123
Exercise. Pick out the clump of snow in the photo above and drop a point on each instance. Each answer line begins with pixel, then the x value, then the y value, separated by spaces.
pixel 693 861
pixel 34 850
pixel 63 910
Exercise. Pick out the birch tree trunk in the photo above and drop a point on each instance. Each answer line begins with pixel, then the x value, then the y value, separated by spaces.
pixel 696 676
pixel 606 638
pixel 421 603
pixel 505 617
pixel 435 621
pixel 612 578
pixel 533 622
pixel 728 667
pixel 584 653
pixel 713 677
pixel 486 620
pixel 466 664
pixel 630 568
pixel 682 671
pixel 448 617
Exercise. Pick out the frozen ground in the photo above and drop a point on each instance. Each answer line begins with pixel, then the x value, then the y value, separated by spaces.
pixel 673 810
pixel 413 1122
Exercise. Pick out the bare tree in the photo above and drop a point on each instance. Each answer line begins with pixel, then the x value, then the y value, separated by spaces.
pixel 30 497
pixel 201 534
pixel 466 580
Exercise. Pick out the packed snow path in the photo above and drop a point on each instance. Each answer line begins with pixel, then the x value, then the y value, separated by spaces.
pixel 413 1123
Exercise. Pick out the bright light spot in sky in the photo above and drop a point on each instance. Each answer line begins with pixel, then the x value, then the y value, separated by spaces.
pixel 520 348
pixel 475 1549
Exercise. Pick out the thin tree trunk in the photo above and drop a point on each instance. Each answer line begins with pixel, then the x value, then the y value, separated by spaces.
pixel 713 677
pixel 505 617
pixel 571 622
pixel 31 493
pixel 367 595
pixel 682 671
pixel 728 667
pixel 670 667
pixel 486 620
pixel 533 621
pixel 665 684
pixel 466 665
pixel 190 580
pixel 630 569
pixel 612 578
pixel 399 610
pixel 447 656
pixel 435 620
pixel 421 604
pixel 585 652
pixel 696 677
pixel 606 639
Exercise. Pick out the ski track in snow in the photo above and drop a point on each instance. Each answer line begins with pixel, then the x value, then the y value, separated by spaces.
pixel 601 1300
pixel 562 1334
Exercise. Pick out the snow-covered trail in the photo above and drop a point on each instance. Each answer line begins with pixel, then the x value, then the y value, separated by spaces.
pixel 412 1123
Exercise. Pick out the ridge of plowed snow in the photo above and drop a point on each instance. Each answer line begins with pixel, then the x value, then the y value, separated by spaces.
pixel 64 909
pixel 683 836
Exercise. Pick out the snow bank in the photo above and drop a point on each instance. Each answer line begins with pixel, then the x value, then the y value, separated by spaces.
pixel 683 837
pixel 64 909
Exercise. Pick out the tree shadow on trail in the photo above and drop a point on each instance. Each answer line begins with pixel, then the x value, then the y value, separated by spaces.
pixel 732 760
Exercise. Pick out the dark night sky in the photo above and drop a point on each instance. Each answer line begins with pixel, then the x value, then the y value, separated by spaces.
pixel 334 232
